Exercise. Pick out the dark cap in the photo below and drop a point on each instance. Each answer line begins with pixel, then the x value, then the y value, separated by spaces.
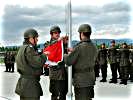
pixel 84 28
pixel 55 29
pixel 113 41
pixel 124 43
pixel 103 43
pixel 30 33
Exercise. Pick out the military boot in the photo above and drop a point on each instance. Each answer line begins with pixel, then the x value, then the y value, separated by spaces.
pixel 124 81
pixel 113 81
pixel 54 97
pixel 131 80
pixel 103 80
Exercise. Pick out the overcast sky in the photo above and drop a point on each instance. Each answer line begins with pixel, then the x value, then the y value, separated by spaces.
pixel 108 18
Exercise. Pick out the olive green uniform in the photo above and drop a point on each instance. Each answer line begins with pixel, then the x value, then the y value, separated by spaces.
pixel 29 66
pixel 82 60
pixel 12 61
pixel 7 61
pixel 113 55
pixel 58 79
pixel 124 64
pixel 131 66
pixel 102 60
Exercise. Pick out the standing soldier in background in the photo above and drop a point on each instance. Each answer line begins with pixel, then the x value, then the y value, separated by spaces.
pixel 57 73
pixel 30 66
pixel 131 66
pixel 102 60
pixel 12 61
pixel 118 61
pixel 124 63
pixel 96 68
pixel 7 61
pixel 46 67
pixel 112 55
pixel 82 58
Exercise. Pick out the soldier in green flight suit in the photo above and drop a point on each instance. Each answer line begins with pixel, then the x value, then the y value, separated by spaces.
pixel 29 66
pixel 82 58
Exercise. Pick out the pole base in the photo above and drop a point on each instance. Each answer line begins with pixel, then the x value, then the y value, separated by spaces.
pixel 69 96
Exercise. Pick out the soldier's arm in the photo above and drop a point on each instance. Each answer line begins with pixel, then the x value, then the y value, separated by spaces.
pixel 108 55
pixel 46 44
pixel 71 58
pixel 118 55
pixel 131 57
pixel 33 59
pixel 108 51
pixel 98 55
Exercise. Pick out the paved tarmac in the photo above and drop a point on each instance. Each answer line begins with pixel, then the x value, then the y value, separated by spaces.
pixel 103 91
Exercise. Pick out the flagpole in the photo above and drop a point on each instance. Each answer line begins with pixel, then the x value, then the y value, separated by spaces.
pixel 69 31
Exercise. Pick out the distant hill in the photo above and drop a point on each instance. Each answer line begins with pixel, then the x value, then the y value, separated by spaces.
pixel 96 41
pixel 107 41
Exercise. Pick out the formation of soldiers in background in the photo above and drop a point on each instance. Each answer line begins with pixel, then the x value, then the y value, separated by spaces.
pixel 9 60
pixel 120 60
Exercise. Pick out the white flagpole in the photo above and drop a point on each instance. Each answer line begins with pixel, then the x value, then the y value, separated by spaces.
pixel 69 31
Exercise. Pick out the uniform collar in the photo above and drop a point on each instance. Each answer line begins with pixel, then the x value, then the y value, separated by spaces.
pixel 85 40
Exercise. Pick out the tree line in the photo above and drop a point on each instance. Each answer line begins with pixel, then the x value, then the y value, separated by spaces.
pixel 3 49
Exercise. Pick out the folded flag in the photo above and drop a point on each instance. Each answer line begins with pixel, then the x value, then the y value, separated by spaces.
pixel 56 52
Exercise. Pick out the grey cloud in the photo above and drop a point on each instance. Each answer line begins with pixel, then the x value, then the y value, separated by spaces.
pixel 116 29
pixel 116 7
pixel 113 18
pixel 17 19
pixel 105 16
